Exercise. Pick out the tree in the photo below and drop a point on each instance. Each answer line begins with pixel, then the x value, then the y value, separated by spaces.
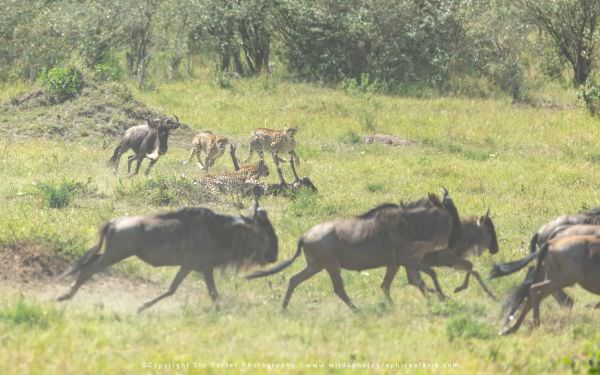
pixel 573 27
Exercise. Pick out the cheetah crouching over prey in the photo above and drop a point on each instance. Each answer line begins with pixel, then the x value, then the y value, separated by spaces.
pixel 213 146
pixel 278 142
pixel 238 183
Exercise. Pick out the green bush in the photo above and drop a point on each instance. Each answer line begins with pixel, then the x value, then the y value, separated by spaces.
pixel 107 71
pixel 62 83
pixel 589 96
pixel 59 195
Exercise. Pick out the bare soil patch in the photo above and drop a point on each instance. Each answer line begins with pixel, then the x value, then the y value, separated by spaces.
pixel 32 270
pixel 30 262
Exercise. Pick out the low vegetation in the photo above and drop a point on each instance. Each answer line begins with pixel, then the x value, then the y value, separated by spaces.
pixel 526 164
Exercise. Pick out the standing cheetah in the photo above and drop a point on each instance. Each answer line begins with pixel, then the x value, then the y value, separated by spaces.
pixel 212 145
pixel 278 142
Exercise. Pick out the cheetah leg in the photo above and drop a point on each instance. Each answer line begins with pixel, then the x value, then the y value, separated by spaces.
pixel 276 160
pixel 199 161
pixel 294 156
pixel 296 178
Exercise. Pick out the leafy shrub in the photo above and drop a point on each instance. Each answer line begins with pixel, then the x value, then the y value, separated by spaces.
pixel 589 95
pixel 29 314
pixel 466 327
pixel 375 187
pixel 350 137
pixel 62 83
pixel 594 364
pixel 108 71
pixel 59 195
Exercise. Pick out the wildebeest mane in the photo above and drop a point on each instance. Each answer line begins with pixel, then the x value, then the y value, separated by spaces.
pixel 373 211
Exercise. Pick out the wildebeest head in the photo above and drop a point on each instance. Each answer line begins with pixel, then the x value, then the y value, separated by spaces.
pixel 163 126
pixel 261 169
pixel 489 239
pixel 291 130
pixel 260 237
pixel 221 143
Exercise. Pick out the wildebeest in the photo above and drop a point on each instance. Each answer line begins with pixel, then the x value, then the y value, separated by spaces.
pixel 544 234
pixel 195 239
pixel 561 262
pixel 477 235
pixel 147 141
pixel 386 236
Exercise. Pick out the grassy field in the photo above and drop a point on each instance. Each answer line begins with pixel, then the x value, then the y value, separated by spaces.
pixel 526 164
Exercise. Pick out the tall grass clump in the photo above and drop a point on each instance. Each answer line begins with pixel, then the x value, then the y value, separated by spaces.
pixel 61 194
pixel 29 314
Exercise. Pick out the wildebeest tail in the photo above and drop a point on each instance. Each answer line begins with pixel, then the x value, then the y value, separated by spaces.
pixel 90 256
pixel 113 159
pixel 281 266
pixel 514 300
pixel 503 269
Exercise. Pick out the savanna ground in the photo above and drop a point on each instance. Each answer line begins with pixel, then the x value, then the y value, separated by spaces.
pixel 527 164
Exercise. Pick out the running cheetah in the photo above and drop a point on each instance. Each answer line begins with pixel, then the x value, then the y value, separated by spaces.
pixel 213 146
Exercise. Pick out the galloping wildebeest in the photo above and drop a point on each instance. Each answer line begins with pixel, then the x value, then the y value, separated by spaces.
pixel 544 234
pixel 386 236
pixel 196 239
pixel 146 140
pixel 477 235
pixel 562 262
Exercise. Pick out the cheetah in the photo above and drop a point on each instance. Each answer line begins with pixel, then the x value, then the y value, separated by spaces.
pixel 278 142
pixel 236 183
pixel 213 146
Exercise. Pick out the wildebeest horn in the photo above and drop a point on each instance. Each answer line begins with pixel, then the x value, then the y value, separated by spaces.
pixel 487 214
pixel 152 122
pixel 445 191
pixel 177 124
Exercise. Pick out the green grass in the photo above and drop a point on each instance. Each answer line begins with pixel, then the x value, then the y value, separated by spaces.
pixel 526 164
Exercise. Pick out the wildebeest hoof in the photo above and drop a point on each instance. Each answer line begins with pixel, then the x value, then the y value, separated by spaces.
pixel 459 289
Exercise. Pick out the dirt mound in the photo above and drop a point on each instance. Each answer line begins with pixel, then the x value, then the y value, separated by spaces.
pixel 30 262
pixel 101 110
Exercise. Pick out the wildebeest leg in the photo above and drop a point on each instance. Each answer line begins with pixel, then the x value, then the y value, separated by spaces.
pixel 298 278
pixel 276 161
pixel 563 299
pixel 485 288
pixel 294 170
pixel 152 162
pixel 537 293
pixel 181 275
pixel 88 270
pixel 338 285
pixel 137 167
pixel 415 279
pixel 130 160
pixel 210 284
pixel 431 273
pixel 390 273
